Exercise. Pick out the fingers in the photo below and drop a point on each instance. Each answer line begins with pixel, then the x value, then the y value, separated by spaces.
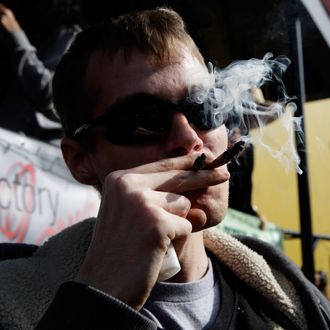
pixel 173 211
pixel 167 164
pixel 172 174
pixel 170 202
pixel 133 231
pixel 8 20
pixel 140 208
pixel 173 226
pixel 183 181
pixel 197 218
pixel 176 181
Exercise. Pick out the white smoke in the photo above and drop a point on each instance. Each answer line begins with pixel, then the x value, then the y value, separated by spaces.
pixel 233 95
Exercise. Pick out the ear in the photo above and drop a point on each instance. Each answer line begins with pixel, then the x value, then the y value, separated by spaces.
pixel 78 161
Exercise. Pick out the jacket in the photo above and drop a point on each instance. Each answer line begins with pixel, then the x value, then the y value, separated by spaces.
pixel 260 287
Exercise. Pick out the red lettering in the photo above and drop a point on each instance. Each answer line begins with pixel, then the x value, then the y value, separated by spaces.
pixel 10 227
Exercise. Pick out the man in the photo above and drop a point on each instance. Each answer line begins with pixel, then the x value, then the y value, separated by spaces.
pixel 123 92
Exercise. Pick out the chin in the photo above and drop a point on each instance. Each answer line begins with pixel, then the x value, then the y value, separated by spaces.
pixel 215 219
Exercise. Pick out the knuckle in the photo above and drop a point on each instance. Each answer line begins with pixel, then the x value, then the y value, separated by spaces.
pixel 114 175
pixel 166 164
pixel 161 237
pixel 218 175
pixel 122 180
pixel 121 183
pixel 158 222
pixel 141 198
pixel 164 242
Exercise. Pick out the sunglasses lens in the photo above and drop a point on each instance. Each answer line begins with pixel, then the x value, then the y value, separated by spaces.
pixel 146 120
pixel 139 123
pixel 202 117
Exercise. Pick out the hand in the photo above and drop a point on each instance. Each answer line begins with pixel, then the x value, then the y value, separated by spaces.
pixel 142 210
pixel 8 20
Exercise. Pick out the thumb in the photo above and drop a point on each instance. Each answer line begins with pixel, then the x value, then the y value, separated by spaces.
pixel 197 218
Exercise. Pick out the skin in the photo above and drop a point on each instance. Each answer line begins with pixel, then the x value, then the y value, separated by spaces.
pixel 149 194
pixel 8 20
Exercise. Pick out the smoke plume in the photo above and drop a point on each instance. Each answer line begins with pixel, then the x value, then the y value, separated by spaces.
pixel 234 96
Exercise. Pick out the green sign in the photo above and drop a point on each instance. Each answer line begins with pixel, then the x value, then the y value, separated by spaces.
pixel 240 223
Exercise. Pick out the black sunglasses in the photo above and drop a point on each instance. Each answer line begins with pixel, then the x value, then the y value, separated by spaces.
pixel 145 119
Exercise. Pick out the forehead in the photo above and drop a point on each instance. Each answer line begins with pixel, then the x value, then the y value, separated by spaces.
pixel 111 78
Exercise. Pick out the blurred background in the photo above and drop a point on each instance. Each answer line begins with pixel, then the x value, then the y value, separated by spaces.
pixel 231 30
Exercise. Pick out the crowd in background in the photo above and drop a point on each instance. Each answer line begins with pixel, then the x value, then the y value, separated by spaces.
pixel 33 37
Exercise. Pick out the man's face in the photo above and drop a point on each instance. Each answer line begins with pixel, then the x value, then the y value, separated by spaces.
pixel 113 80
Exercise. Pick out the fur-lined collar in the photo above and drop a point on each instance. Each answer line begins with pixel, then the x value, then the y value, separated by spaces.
pixel 29 285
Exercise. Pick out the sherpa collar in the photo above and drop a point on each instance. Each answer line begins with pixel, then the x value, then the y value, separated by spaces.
pixel 253 270
pixel 29 285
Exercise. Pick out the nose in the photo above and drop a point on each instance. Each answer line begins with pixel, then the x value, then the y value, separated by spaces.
pixel 182 138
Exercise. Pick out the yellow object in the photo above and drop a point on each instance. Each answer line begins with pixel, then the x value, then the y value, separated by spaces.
pixel 275 189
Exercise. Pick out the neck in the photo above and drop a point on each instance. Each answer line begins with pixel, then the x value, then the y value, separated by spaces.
pixel 192 257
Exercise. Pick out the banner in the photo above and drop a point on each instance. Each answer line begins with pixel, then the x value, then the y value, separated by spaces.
pixel 38 196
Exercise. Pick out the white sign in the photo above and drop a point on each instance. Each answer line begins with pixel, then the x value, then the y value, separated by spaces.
pixel 38 196
pixel 319 10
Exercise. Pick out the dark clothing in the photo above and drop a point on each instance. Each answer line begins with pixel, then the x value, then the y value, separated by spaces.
pixel 81 307
pixel 250 295
pixel 26 105
pixel 240 184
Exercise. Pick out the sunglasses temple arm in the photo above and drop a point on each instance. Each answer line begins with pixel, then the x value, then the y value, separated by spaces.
pixel 90 124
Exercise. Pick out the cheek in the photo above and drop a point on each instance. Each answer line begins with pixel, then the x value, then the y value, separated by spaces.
pixel 215 204
pixel 216 140
pixel 135 156
pixel 220 204
pixel 108 158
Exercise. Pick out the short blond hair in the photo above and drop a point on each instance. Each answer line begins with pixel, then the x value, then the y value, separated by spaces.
pixel 155 32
